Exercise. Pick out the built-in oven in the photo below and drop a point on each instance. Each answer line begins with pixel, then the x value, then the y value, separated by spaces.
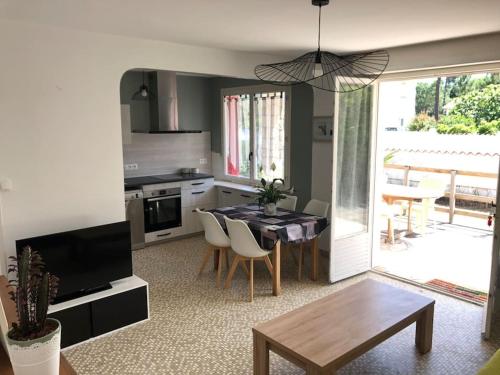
pixel 162 210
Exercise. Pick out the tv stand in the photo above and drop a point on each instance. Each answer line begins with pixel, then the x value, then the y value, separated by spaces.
pixel 81 293
pixel 123 303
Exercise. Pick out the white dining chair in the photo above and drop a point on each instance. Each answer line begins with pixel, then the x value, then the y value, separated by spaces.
pixel 246 248
pixel 217 241
pixel 317 208
pixel 288 203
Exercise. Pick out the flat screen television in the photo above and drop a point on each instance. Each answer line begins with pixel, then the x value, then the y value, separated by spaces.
pixel 85 260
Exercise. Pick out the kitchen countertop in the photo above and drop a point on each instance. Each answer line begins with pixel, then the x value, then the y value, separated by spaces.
pixel 138 182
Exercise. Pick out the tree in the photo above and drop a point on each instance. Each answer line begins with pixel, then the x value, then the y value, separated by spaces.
pixel 481 104
pixel 436 99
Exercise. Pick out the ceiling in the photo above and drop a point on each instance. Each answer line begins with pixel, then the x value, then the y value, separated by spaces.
pixel 270 26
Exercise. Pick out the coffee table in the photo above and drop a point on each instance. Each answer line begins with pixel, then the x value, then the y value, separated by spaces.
pixel 326 334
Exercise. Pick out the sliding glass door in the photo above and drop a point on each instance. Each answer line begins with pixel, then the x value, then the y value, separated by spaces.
pixel 352 192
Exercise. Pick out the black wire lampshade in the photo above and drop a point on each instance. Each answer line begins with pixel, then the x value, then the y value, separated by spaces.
pixel 143 93
pixel 326 70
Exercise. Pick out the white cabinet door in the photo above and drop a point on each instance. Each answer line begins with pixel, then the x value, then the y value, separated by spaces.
pixel 231 197
pixel 226 197
pixel 190 220
pixel 198 184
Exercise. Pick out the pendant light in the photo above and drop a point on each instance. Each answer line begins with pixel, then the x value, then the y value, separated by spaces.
pixel 325 70
pixel 143 92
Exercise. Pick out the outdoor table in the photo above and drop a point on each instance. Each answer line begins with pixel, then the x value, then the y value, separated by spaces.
pixel 392 193
pixel 287 227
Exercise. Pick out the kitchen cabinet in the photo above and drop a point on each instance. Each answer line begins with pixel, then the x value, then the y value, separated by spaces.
pixel 195 194
pixel 231 197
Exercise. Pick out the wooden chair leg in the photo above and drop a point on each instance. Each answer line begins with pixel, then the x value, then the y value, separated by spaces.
pixel 301 260
pixel 227 258
pixel 219 267
pixel 245 268
pixel 205 260
pixel 251 280
pixel 230 275
pixel 269 265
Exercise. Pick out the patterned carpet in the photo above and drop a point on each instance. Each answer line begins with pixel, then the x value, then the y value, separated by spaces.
pixel 198 329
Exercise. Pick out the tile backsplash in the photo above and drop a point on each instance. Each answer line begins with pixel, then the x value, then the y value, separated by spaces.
pixel 167 153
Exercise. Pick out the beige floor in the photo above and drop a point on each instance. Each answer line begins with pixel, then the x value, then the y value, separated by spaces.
pixel 458 253
pixel 198 329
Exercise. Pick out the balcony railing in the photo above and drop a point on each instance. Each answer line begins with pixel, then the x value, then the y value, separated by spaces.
pixel 452 191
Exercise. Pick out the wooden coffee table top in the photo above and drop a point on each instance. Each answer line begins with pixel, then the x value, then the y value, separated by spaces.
pixel 335 329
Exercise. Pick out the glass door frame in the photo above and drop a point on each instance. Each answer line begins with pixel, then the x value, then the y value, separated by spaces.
pixel 379 159
pixel 335 240
pixel 493 67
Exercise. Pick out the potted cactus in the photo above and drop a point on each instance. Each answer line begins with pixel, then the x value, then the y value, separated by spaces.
pixel 34 341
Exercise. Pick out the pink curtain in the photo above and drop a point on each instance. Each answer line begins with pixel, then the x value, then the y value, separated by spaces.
pixel 232 116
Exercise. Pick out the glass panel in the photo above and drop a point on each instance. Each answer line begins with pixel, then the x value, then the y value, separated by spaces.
pixel 237 125
pixel 269 114
pixel 353 162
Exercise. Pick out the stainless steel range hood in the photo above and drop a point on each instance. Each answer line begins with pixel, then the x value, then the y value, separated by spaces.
pixel 163 104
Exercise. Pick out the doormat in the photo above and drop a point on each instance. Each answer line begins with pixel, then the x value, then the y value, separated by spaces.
pixel 459 291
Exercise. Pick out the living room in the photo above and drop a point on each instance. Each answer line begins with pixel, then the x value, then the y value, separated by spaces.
pixel 65 161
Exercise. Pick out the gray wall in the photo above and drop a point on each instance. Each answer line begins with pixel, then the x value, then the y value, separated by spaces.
pixel 301 145
pixel 193 99
pixel 301 131
pixel 194 102
pixel 139 109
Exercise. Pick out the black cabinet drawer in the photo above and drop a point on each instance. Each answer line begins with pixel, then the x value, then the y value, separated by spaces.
pixel 119 310
pixel 75 324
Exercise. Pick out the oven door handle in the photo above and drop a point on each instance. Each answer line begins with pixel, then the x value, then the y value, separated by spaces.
pixel 163 198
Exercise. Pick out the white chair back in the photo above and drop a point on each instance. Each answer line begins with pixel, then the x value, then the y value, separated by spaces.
pixel 242 240
pixel 214 234
pixel 288 203
pixel 433 183
pixel 317 208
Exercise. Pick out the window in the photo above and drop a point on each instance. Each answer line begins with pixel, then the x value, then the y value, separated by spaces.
pixel 255 121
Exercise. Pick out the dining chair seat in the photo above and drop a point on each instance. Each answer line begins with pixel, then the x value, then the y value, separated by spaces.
pixel 246 248
pixel 218 243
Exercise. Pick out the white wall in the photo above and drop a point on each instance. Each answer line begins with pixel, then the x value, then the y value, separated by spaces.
pixel 461 51
pixel 60 136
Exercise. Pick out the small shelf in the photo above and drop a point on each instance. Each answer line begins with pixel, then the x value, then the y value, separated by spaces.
pixel 118 286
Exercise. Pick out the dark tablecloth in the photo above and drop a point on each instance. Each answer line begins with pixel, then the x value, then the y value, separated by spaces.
pixel 287 226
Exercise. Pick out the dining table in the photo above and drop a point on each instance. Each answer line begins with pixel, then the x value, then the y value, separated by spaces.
pixel 392 193
pixel 286 227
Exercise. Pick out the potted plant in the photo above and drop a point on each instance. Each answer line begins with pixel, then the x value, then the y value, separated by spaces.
pixel 34 341
pixel 269 194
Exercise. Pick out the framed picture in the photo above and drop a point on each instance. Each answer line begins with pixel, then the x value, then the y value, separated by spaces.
pixel 322 128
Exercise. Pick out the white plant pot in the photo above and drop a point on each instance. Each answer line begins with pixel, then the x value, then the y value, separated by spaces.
pixel 270 209
pixel 36 357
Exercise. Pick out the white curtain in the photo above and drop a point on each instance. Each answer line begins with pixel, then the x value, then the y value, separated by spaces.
pixel 353 161
pixel 269 115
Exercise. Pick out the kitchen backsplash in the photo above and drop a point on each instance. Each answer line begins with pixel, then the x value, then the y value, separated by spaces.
pixel 167 153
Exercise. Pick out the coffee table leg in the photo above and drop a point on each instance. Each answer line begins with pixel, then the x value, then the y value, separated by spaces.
pixel 314 259
pixel 260 355
pixel 423 334
pixel 277 269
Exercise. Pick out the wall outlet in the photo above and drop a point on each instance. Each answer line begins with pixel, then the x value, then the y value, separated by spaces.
pixel 131 167
pixel 203 161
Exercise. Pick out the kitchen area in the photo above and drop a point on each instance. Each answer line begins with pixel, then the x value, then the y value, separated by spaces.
pixel 168 125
